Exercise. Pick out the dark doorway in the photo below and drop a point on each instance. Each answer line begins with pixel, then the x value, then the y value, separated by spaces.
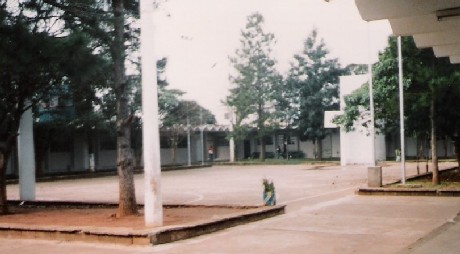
pixel 247 149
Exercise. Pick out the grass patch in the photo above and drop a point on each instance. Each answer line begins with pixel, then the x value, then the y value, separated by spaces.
pixel 279 162
pixel 450 179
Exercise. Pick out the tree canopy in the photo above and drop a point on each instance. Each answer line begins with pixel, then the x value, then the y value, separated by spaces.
pixel 33 61
pixel 257 83
pixel 312 89
pixel 431 95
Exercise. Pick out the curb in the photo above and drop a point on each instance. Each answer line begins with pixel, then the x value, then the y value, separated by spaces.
pixel 431 235
pixel 152 236
pixel 385 191
pixel 180 233
pixel 408 192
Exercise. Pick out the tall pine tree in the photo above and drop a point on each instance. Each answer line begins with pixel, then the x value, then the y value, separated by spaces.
pixel 313 88
pixel 257 83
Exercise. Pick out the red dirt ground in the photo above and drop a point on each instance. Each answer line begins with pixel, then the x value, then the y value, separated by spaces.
pixel 105 217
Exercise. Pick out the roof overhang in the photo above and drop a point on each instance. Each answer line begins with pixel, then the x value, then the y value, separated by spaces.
pixel 432 23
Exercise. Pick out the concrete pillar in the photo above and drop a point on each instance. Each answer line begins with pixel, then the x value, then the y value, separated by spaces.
pixel 189 150
pixel 232 143
pixel 26 157
pixel 153 203
pixel 202 145
pixel 374 176
pixel 232 149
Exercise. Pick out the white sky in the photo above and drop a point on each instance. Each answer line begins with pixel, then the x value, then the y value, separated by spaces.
pixel 198 36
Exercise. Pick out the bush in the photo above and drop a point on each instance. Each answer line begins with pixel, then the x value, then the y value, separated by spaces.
pixel 268 155
pixel 296 155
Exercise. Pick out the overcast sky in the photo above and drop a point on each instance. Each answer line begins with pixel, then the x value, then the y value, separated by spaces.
pixel 198 36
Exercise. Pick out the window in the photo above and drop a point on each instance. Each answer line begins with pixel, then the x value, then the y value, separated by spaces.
pixel 268 140
pixel 108 141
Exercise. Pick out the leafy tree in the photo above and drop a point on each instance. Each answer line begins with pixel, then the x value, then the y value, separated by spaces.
pixel 32 62
pixel 386 95
pixel 448 98
pixel 356 69
pixel 110 26
pixel 168 99
pixel 430 101
pixel 173 111
pixel 313 88
pixel 257 83
pixel 185 114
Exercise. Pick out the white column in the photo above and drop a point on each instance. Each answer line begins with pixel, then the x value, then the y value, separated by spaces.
pixel 232 140
pixel 26 157
pixel 202 145
pixel 232 149
pixel 153 204
pixel 189 152
pixel 401 114
pixel 371 99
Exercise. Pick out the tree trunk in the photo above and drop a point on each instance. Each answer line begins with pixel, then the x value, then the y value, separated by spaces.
pixel 3 199
pixel 174 153
pixel 262 149
pixel 419 153
pixel 420 148
pixel 445 142
pixel 319 150
pixel 434 152
pixel 137 149
pixel 125 161
pixel 457 149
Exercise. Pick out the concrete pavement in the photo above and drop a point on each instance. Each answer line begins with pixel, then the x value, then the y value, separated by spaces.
pixel 442 240
pixel 323 214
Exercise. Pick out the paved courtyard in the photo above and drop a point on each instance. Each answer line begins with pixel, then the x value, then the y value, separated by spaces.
pixel 323 214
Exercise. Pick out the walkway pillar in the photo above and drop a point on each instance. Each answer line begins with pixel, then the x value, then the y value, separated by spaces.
pixel 401 113
pixel 153 203
pixel 232 149
pixel 374 177
pixel 26 157
pixel 189 150
pixel 232 141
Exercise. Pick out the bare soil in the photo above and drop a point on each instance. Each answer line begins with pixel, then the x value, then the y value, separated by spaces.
pixel 105 217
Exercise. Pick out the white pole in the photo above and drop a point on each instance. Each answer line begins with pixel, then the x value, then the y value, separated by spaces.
pixel 401 114
pixel 202 137
pixel 371 98
pixel 189 157
pixel 232 140
pixel 202 146
pixel 153 205
pixel 26 157
pixel 232 149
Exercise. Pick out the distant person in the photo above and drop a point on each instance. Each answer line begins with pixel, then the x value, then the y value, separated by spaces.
pixel 285 150
pixel 278 152
pixel 211 153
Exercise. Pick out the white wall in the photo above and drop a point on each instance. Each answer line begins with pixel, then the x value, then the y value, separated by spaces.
pixel 167 156
pixel 81 152
pixel 10 166
pixel 223 153
pixel 411 147
pixel 336 145
pixel 107 159
pixel 356 146
pixel 59 162
pixel 380 148
pixel 308 148
pixel 239 150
